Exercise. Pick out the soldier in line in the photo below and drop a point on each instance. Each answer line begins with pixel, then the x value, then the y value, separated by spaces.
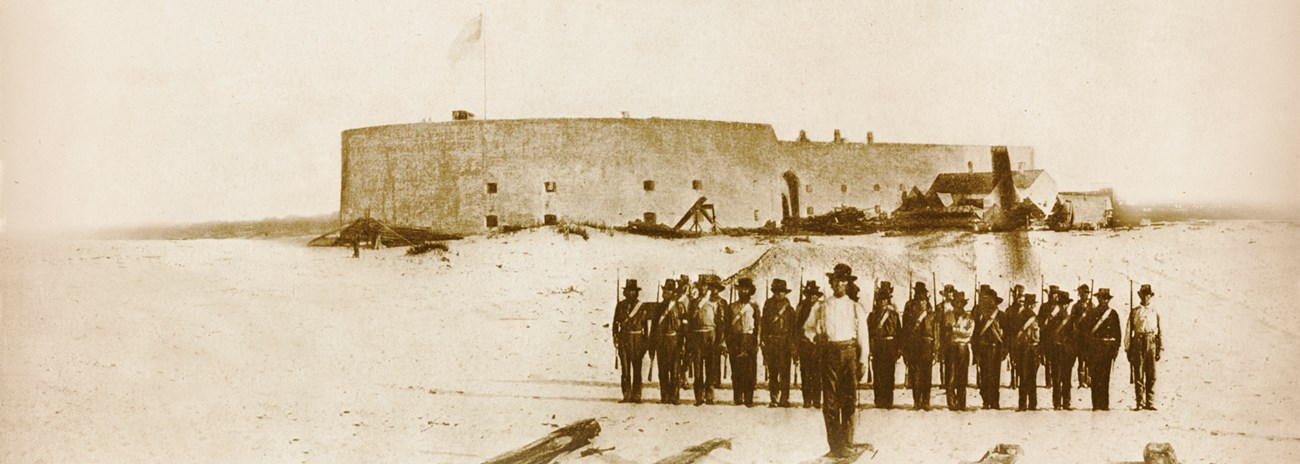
pixel 1077 313
pixel 836 323
pixel 809 354
pixel 1024 344
pixel 780 335
pixel 914 310
pixel 1101 339
pixel 744 343
pixel 667 331
pixel 1143 345
pixel 957 351
pixel 988 349
pixel 685 297
pixel 943 318
pixel 883 328
pixel 1009 321
pixel 1060 346
pixel 705 339
pixel 919 345
pixel 629 327
pixel 1046 311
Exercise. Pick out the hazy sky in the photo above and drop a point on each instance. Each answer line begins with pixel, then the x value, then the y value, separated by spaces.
pixel 120 112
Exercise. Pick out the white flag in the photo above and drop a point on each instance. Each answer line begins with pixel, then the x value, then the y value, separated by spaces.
pixel 468 40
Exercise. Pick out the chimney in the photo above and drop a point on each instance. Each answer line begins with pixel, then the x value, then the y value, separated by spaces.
pixel 461 115
pixel 803 135
pixel 837 138
pixel 1003 179
pixel 871 138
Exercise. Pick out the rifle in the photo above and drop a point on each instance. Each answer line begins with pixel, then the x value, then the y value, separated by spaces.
pixel 617 278
pixel 650 377
pixel 1132 375
pixel 938 325
pixel 799 334
pixel 875 287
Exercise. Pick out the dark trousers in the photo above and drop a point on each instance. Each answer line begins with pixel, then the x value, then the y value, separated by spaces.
pixel 1144 369
pixel 777 359
pixel 990 377
pixel 732 351
pixel 882 367
pixel 631 353
pixel 1099 366
pixel 841 364
pixel 1013 365
pixel 705 363
pixel 921 372
pixel 810 370
pixel 1028 378
pixel 744 370
pixel 958 357
pixel 669 369
pixel 1062 371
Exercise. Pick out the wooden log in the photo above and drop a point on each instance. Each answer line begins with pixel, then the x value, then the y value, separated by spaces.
pixel 563 440
pixel 697 452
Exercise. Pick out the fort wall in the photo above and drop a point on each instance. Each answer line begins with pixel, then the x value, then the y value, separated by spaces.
pixel 438 174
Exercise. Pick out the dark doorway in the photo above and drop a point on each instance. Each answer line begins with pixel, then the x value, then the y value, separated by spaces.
pixel 550 220
pixel 792 185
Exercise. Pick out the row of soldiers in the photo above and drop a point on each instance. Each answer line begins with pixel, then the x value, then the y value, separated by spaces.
pixel 696 334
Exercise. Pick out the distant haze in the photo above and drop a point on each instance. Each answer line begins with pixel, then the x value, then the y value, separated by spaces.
pixel 117 113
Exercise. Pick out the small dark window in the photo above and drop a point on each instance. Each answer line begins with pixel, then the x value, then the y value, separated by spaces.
pixel 550 186
pixel 877 209
pixel 810 211
pixel 902 188
pixel 970 166
pixel 550 220
pixel 697 185
pixel 492 221
pixel 648 185
pixel 650 218
pixel 492 187
pixel 875 187
pixel 844 188
pixel 755 215
pixel 809 188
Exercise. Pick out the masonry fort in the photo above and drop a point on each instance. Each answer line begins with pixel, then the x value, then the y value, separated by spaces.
pixel 469 176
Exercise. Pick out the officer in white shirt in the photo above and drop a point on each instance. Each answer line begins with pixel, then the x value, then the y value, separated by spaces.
pixel 838 324
pixel 1143 345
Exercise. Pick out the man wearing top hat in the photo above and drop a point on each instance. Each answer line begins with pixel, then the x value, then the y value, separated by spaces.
pixel 837 324
pixel 987 341
pixel 668 334
pixel 918 332
pixel 809 353
pixel 883 326
pixel 1009 321
pixel 1059 336
pixel 957 351
pixel 703 339
pixel 780 332
pixel 1143 345
pixel 1025 339
pixel 744 343
pixel 630 324
pixel 1101 340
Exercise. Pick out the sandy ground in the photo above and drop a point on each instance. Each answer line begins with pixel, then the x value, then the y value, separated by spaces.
pixel 270 351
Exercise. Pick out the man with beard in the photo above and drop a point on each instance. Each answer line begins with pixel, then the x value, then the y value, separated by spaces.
pixel 779 338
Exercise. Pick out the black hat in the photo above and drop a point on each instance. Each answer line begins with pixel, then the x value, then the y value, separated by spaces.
pixel 1030 298
pixel 1063 297
pixel 919 287
pixel 885 288
pixel 842 272
pixel 1083 287
pixel 631 285
pixel 1103 293
pixel 949 288
pixel 745 283
pixel 811 286
pixel 1051 289
pixel 778 286
pixel 1146 290
pixel 958 298
pixel 670 285
pixel 994 295
pixel 1019 288
pixel 985 289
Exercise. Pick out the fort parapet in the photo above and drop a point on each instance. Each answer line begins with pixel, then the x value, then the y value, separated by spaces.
pixel 469 176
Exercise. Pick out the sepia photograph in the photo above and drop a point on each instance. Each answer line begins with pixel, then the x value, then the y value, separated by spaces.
pixel 606 232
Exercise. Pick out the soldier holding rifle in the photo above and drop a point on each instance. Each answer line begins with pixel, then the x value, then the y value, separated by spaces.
pixel 704 338
pixel 883 327
pixel 918 344
pixel 668 339
pixel 779 339
pixel 630 325
pixel 1143 345
pixel 1024 346
pixel 744 343
pixel 1101 340
pixel 809 356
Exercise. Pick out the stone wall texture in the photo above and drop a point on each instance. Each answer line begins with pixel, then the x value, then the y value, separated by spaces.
pixel 436 175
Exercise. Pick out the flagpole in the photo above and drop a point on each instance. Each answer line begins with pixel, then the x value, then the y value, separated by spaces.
pixel 483 28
